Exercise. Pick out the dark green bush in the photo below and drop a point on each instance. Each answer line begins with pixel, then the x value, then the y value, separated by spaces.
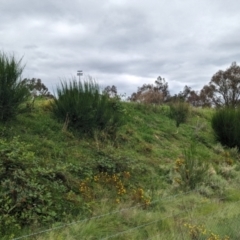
pixel 226 125
pixel 12 91
pixel 179 111
pixel 82 106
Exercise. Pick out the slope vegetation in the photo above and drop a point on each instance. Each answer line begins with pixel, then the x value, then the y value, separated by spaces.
pixel 150 181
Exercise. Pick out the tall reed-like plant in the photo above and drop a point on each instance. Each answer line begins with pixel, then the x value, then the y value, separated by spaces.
pixel 191 169
pixel 12 91
pixel 83 106
pixel 226 125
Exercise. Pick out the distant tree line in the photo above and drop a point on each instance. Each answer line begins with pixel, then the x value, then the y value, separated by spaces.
pixel 222 90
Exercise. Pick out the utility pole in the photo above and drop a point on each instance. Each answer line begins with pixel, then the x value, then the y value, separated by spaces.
pixel 79 73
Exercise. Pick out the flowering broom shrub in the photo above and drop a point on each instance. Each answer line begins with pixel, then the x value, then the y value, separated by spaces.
pixel 31 194
pixel 200 232
pixel 116 184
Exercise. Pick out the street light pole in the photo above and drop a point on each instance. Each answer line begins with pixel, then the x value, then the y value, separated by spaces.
pixel 79 73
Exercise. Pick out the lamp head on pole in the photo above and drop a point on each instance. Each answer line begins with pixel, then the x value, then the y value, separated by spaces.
pixel 79 73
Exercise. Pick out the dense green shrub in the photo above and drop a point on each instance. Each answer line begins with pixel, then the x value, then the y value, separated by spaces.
pixel 179 111
pixel 84 108
pixel 111 164
pixel 31 194
pixel 226 125
pixel 12 91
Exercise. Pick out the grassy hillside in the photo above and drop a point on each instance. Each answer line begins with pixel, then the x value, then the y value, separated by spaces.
pixel 151 181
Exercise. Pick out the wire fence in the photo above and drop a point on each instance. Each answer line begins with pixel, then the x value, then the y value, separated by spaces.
pixel 155 221
pixel 166 200
pixel 200 221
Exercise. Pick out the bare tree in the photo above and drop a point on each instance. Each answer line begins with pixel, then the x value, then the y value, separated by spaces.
pixel 150 93
pixel 111 91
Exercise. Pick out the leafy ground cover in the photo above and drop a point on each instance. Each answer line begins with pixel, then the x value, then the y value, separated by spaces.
pixel 151 181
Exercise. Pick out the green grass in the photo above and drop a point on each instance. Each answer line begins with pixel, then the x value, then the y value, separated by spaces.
pixel 147 147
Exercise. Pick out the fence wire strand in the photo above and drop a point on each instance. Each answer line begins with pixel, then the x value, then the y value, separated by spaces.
pixel 146 224
pixel 103 215
pixel 169 198
pixel 226 208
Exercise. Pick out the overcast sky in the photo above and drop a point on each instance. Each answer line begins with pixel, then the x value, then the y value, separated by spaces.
pixel 122 42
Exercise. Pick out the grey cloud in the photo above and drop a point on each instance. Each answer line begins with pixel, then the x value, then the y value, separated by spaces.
pixel 30 46
pixel 125 43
